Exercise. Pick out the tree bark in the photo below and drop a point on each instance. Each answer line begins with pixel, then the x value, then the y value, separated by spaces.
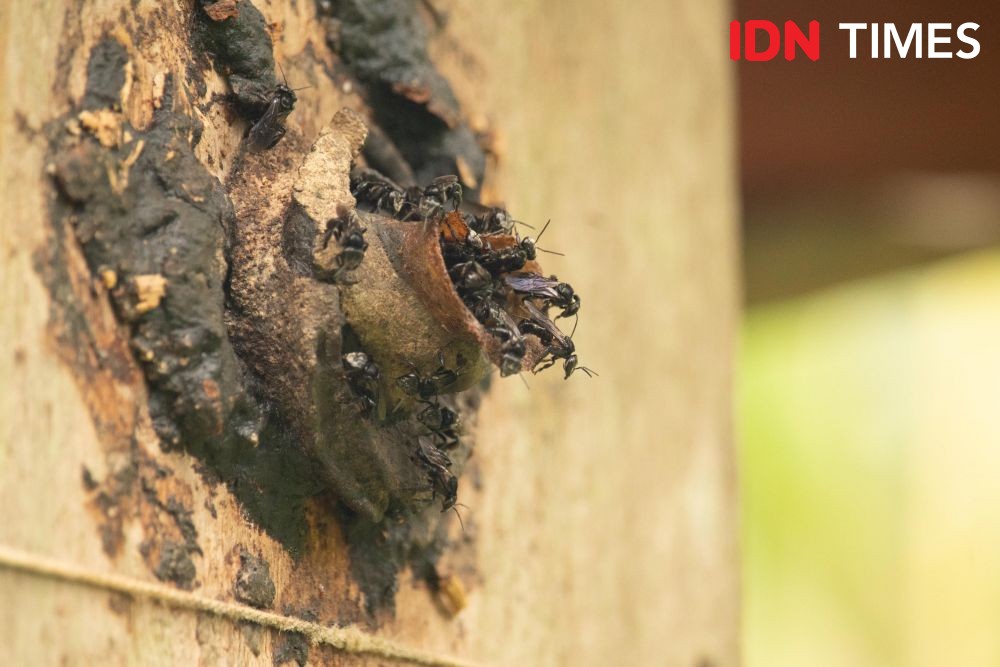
pixel 601 522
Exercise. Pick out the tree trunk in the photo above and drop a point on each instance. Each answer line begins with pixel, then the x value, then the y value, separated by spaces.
pixel 600 525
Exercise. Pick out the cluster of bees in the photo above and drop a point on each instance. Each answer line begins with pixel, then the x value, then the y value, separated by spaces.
pixel 486 260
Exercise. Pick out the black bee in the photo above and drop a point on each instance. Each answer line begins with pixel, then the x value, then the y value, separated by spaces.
pixel 349 235
pixel 501 325
pixel 431 202
pixel 442 422
pixel 488 309
pixel 471 279
pixel 362 376
pixel 503 260
pixel 490 219
pixel 553 292
pixel 506 260
pixel 373 189
pixel 268 130
pixel 529 245
pixel 379 192
pixel 426 386
pixel 512 349
pixel 456 249
pixel 443 191
pixel 437 465
pixel 493 220
pixel 557 345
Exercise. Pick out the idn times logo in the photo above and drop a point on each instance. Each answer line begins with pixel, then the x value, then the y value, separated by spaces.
pixel 759 41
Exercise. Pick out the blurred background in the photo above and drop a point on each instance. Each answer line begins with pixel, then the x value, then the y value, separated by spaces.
pixel 869 386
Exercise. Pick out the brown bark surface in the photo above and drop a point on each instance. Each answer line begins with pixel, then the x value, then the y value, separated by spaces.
pixel 601 521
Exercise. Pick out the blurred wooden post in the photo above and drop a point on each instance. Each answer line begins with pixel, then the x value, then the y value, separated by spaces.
pixel 605 525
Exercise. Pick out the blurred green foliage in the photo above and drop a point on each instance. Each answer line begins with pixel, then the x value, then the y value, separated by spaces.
pixel 870 436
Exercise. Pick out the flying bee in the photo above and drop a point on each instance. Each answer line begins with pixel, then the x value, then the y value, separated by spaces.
pixel 426 386
pixel 349 235
pixel 557 344
pixel 362 376
pixel 550 290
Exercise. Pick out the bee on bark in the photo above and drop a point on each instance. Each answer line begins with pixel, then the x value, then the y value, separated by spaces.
pixel 413 203
pixel 349 235
pixel 424 387
pixel 437 466
pixel 268 130
pixel 362 376
pixel 442 423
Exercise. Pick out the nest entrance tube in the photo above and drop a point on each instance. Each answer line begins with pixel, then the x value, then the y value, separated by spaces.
pixel 396 306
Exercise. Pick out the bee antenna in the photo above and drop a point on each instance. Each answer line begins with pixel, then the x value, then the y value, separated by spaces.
pixel 589 372
pixel 282 70
pixel 460 522
pixel 574 325
pixel 518 222
pixel 543 230
pixel 551 252
pixel 526 386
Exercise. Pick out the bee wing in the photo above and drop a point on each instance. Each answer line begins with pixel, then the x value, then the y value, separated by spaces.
pixel 434 456
pixel 543 320
pixel 408 383
pixel 507 321
pixel 268 129
pixel 531 283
